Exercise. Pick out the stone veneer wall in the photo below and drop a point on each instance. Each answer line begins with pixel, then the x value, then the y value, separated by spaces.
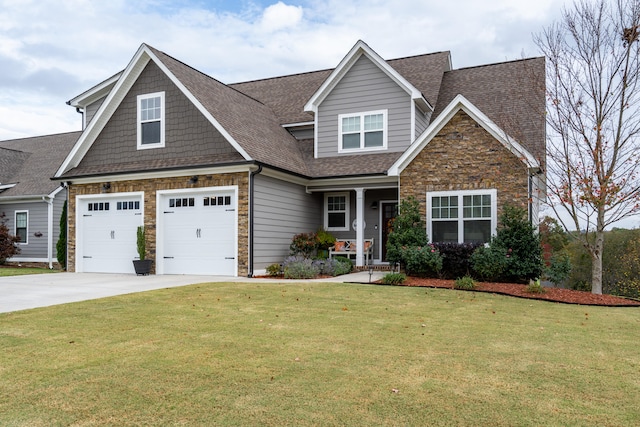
pixel 464 156
pixel 150 186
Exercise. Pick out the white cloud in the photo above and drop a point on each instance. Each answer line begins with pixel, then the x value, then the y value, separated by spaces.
pixel 280 16
pixel 50 51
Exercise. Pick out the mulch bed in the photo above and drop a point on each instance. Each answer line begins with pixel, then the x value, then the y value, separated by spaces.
pixel 566 296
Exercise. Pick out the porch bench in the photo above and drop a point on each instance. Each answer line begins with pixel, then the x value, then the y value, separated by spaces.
pixel 346 247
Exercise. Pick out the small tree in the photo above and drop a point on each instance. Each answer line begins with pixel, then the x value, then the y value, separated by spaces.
pixel 61 244
pixel 8 242
pixel 593 117
pixel 141 243
pixel 408 229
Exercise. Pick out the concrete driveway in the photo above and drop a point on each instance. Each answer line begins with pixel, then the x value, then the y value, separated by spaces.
pixel 43 290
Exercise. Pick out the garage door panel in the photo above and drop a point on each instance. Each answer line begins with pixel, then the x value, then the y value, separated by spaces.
pixel 199 232
pixel 109 234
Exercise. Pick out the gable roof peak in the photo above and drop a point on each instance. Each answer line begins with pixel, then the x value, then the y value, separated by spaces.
pixel 358 50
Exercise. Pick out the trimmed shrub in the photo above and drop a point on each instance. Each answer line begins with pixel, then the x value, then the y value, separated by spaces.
pixel 535 287
pixel 489 263
pixel 298 267
pixel 423 261
pixel 465 282
pixel 394 278
pixel 407 229
pixel 456 258
pixel 346 264
pixel 304 244
pixel 333 266
pixel 274 270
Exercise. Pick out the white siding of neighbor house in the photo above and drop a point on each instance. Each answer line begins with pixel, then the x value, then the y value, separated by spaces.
pixel 281 210
pixel 364 88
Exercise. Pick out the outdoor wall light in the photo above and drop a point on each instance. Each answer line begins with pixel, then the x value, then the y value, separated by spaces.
pixel 106 186
pixel 193 179
pixel 374 204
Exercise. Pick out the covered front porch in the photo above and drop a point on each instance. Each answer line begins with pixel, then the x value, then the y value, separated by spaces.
pixel 358 214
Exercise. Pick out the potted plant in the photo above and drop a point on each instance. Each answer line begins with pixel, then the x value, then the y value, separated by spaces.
pixel 142 266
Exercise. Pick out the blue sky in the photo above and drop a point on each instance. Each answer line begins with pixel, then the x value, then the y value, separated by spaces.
pixel 52 50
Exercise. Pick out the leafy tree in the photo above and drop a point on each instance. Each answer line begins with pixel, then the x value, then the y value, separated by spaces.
pixel 407 229
pixel 8 242
pixel 61 244
pixel 593 118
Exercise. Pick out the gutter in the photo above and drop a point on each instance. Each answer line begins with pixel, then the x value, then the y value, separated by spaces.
pixel 251 212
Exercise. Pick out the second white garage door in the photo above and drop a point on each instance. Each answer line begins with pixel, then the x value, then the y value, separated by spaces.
pixel 198 232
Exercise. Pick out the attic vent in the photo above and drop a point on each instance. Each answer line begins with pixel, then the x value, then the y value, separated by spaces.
pixel 455 135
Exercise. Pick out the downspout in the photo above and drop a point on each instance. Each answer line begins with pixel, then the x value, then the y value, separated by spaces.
pixel 49 202
pixel 251 209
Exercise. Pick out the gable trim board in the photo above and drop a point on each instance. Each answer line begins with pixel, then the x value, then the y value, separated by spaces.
pixel 116 96
pixel 461 103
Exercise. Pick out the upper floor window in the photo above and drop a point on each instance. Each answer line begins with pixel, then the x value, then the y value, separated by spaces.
pixel 22 221
pixel 462 216
pixel 151 120
pixel 363 131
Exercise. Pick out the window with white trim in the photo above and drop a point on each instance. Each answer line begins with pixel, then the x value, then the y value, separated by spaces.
pixel 362 131
pixel 151 120
pixel 336 212
pixel 462 216
pixel 22 226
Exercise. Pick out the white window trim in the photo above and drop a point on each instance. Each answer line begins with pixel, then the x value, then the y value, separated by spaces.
pixel 494 209
pixel 347 215
pixel 362 147
pixel 142 146
pixel 15 226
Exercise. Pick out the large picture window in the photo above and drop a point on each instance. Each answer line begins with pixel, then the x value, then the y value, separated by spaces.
pixel 22 226
pixel 462 216
pixel 151 120
pixel 336 213
pixel 363 131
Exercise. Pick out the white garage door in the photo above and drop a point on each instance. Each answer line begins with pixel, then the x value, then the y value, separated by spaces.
pixel 199 233
pixel 108 234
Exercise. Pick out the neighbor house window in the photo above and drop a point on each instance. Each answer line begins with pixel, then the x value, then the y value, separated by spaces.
pixel 336 214
pixel 363 131
pixel 462 216
pixel 22 221
pixel 151 120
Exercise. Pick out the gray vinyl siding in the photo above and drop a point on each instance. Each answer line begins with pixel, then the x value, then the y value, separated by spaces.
pixel 91 110
pixel 422 121
pixel 36 247
pixel 365 88
pixel 281 210
pixel 58 202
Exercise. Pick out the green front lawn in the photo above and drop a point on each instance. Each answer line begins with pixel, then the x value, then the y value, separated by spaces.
pixel 19 271
pixel 319 354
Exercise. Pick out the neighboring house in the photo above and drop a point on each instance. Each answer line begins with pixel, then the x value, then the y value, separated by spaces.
pixel 223 176
pixel 30 200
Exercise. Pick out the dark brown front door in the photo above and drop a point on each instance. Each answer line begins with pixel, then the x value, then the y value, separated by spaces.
pixel 389 211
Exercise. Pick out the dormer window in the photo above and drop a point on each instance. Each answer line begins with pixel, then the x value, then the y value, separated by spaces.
pixel 151 120
pixel 362 131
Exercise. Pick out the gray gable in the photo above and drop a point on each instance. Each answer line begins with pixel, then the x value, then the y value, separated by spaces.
pixel 38 159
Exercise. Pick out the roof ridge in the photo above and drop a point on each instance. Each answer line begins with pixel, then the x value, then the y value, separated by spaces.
pixel 204 74
pixel 512 61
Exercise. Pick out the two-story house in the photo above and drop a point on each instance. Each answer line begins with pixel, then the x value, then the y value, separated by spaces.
pixel 224 175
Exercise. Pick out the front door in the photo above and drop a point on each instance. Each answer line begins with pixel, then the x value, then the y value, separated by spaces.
pixel 389 212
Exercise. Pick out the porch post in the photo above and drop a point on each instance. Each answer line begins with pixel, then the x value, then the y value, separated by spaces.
pixel 359 227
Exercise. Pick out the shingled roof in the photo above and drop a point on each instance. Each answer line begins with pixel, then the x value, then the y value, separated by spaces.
pixel 253 113
pixel 32 163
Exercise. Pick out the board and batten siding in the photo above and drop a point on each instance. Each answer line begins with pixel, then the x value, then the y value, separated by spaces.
pixel 365 88
pixel 281 210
